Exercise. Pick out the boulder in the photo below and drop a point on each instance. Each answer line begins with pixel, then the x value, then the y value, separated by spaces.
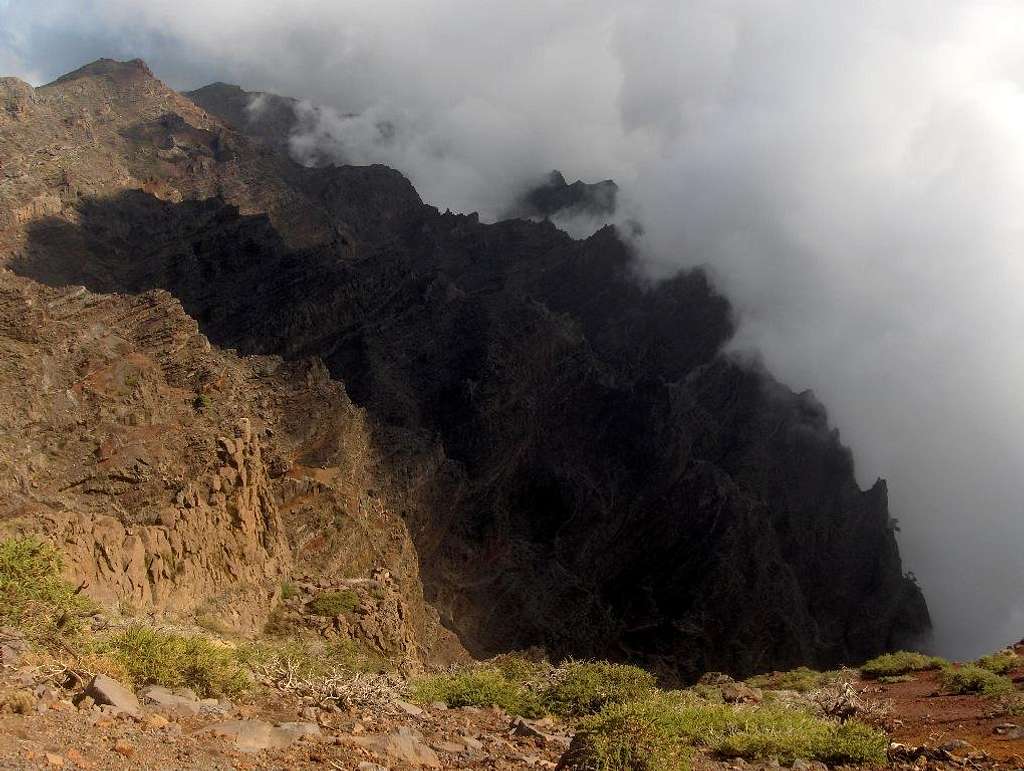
pixel 169 701
pixel 737 693
pixel 409 709
pixel 106 690
pixel 405 745
pixel 1009 731
pixel 257 735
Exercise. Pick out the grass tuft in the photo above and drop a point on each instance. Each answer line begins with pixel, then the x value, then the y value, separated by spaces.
pixel 1000 663
pixel 478 687
pixel 900 663
pixel 659 732
pixel 332 604
pixel 151 657
pixel 800 679
pixel 971 679
pixel 289 590
pixel 33 596
pixel 530 688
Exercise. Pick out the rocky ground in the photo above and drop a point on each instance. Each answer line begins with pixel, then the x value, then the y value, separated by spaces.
pixel 50 718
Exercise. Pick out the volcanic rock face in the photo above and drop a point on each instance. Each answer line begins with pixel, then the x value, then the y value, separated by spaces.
pixel 267 117
pixel 556 196
pixel 557 452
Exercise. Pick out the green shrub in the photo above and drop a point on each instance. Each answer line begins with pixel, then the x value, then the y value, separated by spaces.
pixel 478 687
pixel 900 663
pixel 800 679
pixel 1013 704
pixel 657 733
pixel 519 669
pixel 638 736
pixel 972 679
pixel 584 687
pixel 788 734
pixel 1000 663
pixel 148 656
pixel 289 590
pixel 333 604
pixel 33 597
pixel 529 688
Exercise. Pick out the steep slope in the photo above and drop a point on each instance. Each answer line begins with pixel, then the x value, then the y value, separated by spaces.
pixel 576 464
pixel 264 116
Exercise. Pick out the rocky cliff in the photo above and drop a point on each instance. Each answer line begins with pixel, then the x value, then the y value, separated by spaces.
pixel 551 451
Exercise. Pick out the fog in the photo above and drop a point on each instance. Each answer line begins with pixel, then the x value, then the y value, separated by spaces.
pixel 850 173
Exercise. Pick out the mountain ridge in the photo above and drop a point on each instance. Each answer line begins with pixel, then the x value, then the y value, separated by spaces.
pixel 576 464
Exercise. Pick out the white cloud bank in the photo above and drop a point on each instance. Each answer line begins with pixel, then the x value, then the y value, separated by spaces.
pixel 852 173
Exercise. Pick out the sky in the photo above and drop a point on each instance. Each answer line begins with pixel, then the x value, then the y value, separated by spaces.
pixel 849 173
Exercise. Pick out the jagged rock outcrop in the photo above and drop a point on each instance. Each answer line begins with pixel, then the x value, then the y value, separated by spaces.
pixel 172 475
pixel 555 196
pixel 558 452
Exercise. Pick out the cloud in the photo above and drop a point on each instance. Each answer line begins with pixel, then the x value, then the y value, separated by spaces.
pixel 851 173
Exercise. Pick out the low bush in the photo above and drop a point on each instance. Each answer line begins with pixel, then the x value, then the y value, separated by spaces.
pixel 900 663
pixel 33 596
pixel 149 656
pixel 972 679
pixel 478 687
pixel 581 688
pixel 1013 704
pixel 333 604
pixel 800 679
pixel 532 688
pixel 659 732
pixel 1000 663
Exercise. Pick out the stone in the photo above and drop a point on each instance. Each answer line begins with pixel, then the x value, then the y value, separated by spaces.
pixel 808 765
pixel 405 746
pixel 124 747
pixel 168 700
pixel 106 690
pixel 957 748
pixel 472 743
pixel 1009 731
pixel 452 748
pixel 438 705
pixel 257 735
pixel 54 760
pixel 409 709
pixel 76 757
pixel 368 766
pixel 737 693
pixel 520 727
pixel 300 730
pixel 9 656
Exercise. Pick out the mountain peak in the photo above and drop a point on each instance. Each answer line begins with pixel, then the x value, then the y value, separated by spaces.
pixel 132 68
